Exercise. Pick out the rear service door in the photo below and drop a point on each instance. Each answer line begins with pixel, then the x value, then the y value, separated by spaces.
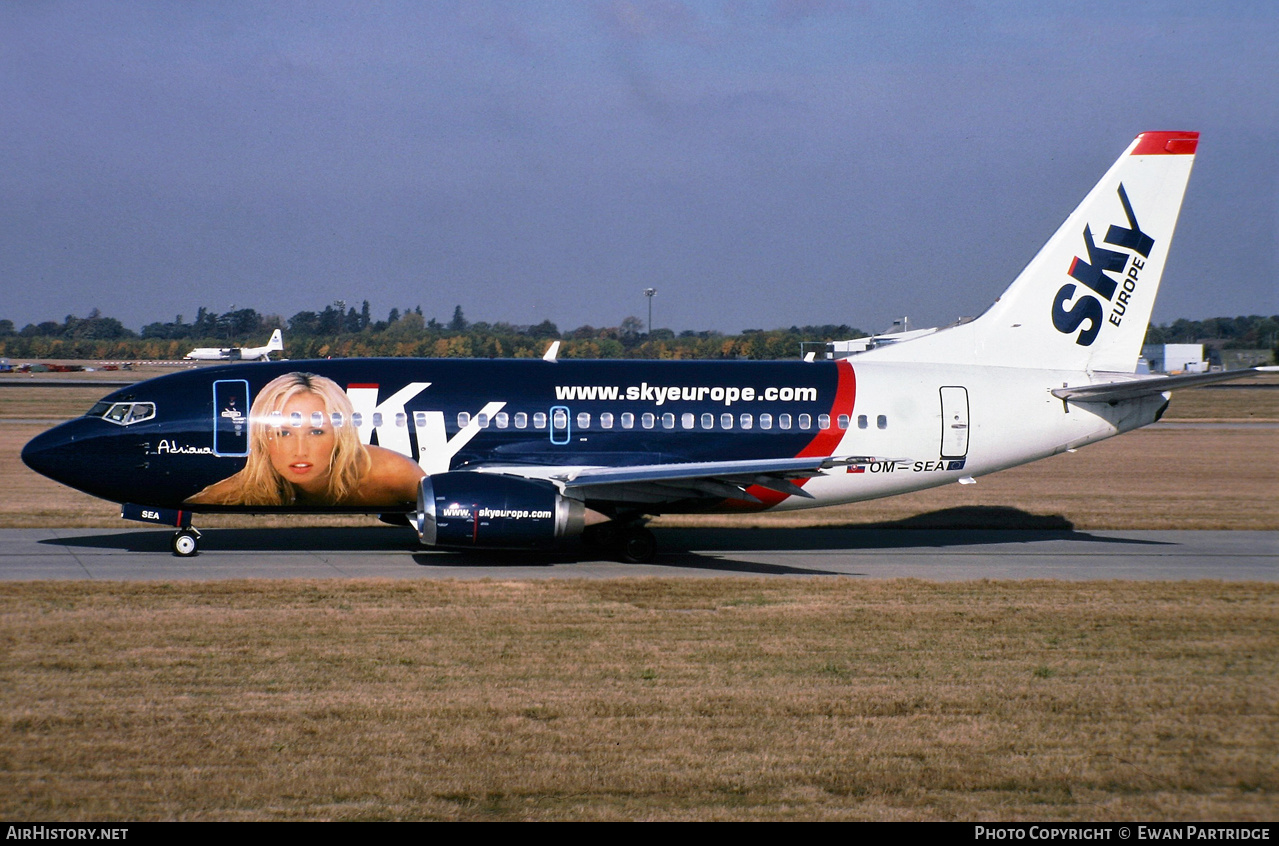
pixel 954 422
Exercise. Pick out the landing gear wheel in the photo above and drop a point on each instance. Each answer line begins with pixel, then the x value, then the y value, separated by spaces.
pixel 185 543
pixel 636 545
pixel 600 537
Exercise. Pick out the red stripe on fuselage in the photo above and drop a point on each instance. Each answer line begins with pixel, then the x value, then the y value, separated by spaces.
pixel 823 444
pixel 845 394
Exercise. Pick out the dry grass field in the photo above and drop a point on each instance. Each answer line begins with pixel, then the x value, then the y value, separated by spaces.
pixel 733 699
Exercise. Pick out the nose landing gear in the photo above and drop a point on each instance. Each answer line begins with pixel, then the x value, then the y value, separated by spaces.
pixel 185 542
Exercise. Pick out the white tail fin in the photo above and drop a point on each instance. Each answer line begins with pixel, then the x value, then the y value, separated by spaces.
pixel 277 342
pixel 1083 303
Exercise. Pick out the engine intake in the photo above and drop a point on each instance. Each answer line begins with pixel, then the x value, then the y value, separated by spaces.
pixel 489 510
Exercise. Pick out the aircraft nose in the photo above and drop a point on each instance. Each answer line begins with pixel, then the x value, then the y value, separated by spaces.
pixel 57 454
pixel 43 453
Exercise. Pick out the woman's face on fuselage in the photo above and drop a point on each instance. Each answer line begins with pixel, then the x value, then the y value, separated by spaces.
pixel 303 454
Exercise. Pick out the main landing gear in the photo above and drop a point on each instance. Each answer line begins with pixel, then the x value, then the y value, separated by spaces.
pixel 629 543
pixel 185 542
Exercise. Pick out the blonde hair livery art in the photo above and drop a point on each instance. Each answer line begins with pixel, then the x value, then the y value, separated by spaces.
pixel 259 483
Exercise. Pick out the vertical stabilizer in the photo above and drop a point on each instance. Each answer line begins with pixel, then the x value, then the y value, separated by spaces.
pixel 1083 303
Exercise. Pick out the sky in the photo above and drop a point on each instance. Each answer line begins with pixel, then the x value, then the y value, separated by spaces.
pixel 761 164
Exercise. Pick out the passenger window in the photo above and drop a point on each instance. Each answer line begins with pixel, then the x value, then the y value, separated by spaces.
pixel 766 421
pixel 783 421
pixel 463 419
pixel 708 420
pixel 559 418
pixel 687 419
pixel 539 420
pixel 861 421
pixel 843 421
pixel 726 421
pixel 628 420
pixel 501 419
pixel 805 421
pixel 317 419
pixel 482 420
pixel 521 420
pixel 881 422
pixel 747 421
pixel 648 420
pixel 295 420
pixel 583 420
pixel 338 419
pixel 401 420
pixel 357 419
pixel 606 420
pixel 823 421
pixel 377 420
pixel 668 420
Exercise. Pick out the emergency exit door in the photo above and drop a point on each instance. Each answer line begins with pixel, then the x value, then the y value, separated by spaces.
pixel 561 428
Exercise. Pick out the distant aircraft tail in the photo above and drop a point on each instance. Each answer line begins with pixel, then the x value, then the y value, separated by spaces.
pixel 276 344
pixel 1084 302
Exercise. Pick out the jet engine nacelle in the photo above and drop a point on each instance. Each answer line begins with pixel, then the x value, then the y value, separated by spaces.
pixel 489 510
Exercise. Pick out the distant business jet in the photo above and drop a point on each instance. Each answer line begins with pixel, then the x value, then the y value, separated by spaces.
pixel 523 453
pixel 276 344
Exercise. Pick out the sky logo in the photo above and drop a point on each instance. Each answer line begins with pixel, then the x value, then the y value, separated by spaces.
pixel 1093 272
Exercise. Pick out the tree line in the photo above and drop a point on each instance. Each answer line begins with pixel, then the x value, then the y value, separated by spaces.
pixel 343 332
pixel 1252 332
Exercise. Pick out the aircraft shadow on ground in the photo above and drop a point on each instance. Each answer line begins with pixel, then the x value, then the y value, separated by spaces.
pixel 311 539
pixel 961 526
pixel 691 548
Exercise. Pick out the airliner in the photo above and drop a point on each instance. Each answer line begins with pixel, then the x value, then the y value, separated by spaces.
pixel 523 454
pixel 276 344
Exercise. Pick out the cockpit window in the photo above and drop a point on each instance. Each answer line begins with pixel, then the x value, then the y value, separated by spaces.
pixel 123 413
pixel 141 411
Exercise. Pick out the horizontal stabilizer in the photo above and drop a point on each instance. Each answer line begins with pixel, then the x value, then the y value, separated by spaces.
pixel 1134 388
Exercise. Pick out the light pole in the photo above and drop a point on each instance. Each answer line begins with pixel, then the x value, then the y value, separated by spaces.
pixel 649 292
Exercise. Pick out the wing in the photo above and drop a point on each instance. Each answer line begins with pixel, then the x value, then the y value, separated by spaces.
pixel 1134 388
pixel 657 483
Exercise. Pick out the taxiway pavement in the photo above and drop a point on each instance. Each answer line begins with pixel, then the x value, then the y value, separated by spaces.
pixel 942 555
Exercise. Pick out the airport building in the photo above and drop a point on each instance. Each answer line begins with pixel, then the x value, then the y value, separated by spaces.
pixel 1200 358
